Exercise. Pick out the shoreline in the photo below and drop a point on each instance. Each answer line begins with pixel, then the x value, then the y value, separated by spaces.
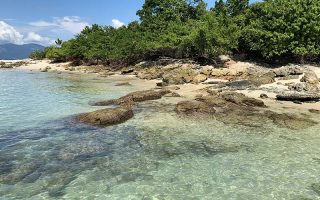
pixel 187 91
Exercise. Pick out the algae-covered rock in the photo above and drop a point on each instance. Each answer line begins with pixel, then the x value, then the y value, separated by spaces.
pixel 107 117
pixel 194 107
pixel 291 121
pixel 134 97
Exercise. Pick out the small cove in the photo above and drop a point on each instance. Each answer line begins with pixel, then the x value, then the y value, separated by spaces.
pixel 44 154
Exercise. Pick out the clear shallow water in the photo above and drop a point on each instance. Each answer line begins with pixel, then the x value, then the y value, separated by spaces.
pixel 44 154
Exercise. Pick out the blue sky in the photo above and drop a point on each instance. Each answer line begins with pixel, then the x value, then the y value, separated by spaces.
pixel 42 21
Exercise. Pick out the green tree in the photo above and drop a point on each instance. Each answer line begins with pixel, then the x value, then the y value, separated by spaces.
pixel 284 27
pixel 220 8
pixel 58 42
pixel 237 7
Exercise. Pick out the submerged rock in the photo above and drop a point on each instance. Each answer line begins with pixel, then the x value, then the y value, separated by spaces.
pixel 106 117
pixel 316 188
pixel 194 107
pixel 291 121
pixel 315 111
pixel 123 84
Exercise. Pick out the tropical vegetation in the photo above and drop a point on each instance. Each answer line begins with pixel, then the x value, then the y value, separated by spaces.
pixel 188 29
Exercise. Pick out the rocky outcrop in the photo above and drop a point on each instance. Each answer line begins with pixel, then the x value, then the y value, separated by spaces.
pixel 236 108
pixel 179 76
pixel 303 87
pixel 262 78
pixel 288 71
pixel 107 117
pixel 150 73
pixel 297 96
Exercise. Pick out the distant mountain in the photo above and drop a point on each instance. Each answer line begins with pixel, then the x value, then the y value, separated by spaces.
pixel 13 51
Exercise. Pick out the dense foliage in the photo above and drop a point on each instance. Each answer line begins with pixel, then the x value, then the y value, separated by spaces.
pixel 186 28
pixel 284 27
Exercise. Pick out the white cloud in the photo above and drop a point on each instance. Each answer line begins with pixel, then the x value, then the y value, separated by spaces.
pixel 117 23
pixel 41 24
pixel 33 37
pixel 8 34
pixel 72 24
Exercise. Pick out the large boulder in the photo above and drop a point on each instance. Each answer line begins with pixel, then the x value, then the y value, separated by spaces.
pixel 288 70
pixel 262 78
pixel 310 77
pixel 107 117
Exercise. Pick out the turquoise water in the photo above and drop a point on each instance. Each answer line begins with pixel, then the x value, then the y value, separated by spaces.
pixel 45 154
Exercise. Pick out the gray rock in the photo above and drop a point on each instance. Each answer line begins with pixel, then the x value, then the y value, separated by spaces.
pixel 288 70
pixel 127 71
pixel 296 96
pixel 310 77
pixel 264 96
pixel 242 85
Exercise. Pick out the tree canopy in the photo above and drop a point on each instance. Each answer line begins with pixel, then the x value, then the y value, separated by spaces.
pixel 187 29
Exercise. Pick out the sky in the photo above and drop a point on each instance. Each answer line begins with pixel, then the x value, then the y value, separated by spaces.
pixel 43 21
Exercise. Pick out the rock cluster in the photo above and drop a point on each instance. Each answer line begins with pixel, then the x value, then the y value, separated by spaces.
pixel 236 108
pixel 123 112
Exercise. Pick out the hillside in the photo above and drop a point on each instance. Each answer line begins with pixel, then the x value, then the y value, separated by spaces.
pixel 13 51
